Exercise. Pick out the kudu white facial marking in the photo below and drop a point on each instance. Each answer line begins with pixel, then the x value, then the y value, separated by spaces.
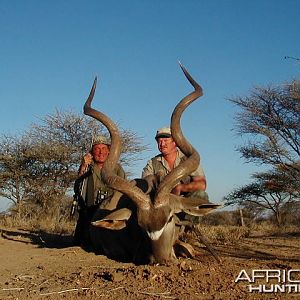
pixel 155 235
pixel 155 210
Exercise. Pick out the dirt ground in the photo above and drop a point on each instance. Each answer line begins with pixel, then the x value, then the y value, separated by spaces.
pixel 46 266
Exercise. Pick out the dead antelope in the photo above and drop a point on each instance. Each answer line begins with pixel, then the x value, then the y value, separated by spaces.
pixel 145 225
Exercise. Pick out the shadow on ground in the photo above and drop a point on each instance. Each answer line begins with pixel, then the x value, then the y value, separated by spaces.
pixel 41 238
pixel 251 248
pixel 263 248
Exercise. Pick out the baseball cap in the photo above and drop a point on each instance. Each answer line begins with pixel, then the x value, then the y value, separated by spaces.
pixel 163 132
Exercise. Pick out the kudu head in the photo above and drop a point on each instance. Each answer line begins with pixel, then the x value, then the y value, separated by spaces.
pixel 155 210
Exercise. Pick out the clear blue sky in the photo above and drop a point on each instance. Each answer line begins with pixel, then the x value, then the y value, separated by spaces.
pixel 50 52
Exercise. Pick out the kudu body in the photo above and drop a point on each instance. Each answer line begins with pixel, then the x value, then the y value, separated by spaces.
pixel 142 222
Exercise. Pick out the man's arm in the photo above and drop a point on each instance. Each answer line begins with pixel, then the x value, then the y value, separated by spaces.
pixel 85 162
pixel 120 171
pixel 148 169
pixel 198 183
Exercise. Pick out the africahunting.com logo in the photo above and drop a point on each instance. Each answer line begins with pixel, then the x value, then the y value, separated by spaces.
pixel 271 281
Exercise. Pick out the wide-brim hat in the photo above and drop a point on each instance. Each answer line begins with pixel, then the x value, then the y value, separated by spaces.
pixel 101 139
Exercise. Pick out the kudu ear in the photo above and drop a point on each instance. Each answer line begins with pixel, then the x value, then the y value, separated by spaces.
pixel 192 206
pixel 115 220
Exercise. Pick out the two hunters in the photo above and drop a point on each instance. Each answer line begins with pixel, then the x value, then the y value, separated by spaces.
pixel 143 222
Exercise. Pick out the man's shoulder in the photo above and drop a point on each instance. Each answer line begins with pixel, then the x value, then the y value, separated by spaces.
pixel 154 160
pixel 157 157
pixel 120 171
pixel 119 167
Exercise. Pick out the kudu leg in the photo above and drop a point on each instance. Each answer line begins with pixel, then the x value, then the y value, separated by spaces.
pixel 207 244
pixel 184 225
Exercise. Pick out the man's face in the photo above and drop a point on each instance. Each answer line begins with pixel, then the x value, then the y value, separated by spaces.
pixel 100 153
pixel 166 145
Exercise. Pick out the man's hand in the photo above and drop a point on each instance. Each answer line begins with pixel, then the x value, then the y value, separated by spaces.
pixel 197 184
pixel 87 159
pixel 177 189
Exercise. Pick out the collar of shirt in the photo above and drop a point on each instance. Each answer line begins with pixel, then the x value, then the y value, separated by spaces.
pixel 177 160
pixel 96 172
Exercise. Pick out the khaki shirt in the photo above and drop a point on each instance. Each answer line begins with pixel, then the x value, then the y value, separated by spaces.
pixel 96 185
pixel 159 165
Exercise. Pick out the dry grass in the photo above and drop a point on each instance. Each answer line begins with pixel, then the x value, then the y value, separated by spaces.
pixel 46 223
pixel 268 229
pixel 224 234
pixel 30 216
pixel 59 223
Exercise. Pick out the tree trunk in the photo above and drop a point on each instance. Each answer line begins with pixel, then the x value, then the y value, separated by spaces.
pixel 242 218
pixel 278 218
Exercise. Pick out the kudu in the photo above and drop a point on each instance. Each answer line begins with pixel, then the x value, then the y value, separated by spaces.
pixel 145 220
